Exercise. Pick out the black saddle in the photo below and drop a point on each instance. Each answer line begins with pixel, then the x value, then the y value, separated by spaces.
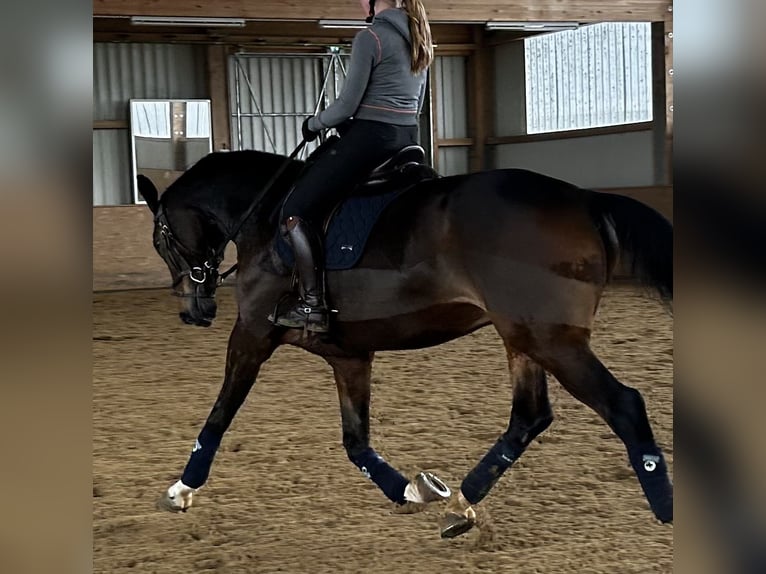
pixel 406 167
pixel 407 156
pixel 349 224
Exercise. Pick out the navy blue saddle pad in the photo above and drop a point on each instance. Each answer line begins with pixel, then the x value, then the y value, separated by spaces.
pixel 348 231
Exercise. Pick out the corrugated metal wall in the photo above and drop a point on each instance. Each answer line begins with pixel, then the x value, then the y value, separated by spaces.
pixel 452 116
pixel 272 95
pixel 453 160
pixel 275 93
pixel 286 90
pixel 162 71
pixel 594 76
pixel 125 71
pixel 449 75
pixel 509 101
pixel 111 167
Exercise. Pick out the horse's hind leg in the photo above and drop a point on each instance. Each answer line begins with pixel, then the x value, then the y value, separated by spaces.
pixel 246 353
pixel 530 415
pixel 587 379
pixel 352 377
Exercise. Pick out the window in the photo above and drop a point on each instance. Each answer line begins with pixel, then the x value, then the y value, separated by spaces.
pixel 594 76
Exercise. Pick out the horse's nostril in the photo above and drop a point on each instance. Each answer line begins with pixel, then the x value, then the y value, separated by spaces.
pixel 199 322
pixel 186 318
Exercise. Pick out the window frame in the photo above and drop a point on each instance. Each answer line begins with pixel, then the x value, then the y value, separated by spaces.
pixel 617 128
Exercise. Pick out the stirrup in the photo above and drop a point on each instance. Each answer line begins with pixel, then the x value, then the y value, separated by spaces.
pixel 299 316
pixel 286 299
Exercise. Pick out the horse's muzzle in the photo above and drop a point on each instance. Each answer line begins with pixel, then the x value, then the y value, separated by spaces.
pixel 198 311
pixel 189 319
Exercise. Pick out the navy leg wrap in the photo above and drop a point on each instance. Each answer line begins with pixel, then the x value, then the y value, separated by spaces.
pixel 477 484
pixel 652 472
pixel 381 473
pixel 198 468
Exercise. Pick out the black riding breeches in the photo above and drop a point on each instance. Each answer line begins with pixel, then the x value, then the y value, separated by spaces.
pixel 365 146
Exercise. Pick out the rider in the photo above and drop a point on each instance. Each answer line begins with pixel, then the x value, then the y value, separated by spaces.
pixel 383 94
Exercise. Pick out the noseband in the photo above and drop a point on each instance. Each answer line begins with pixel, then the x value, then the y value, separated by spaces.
pixel 174 251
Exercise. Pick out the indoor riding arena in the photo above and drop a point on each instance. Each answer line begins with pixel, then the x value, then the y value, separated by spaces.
pixel 578 90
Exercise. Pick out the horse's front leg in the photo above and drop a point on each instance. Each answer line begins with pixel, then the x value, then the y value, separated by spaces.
pixel 352 376
pixel 245 355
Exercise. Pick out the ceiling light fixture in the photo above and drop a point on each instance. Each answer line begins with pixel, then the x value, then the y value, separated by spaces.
pixel 343 24
pixel 532 26
pixel 187 21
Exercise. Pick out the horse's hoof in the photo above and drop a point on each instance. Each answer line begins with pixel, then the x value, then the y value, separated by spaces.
pixel 453 524
pixel 168 504
pixel 177 498
pixel 425 488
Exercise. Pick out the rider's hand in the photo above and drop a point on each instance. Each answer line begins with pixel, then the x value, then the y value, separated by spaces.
pixel 308 134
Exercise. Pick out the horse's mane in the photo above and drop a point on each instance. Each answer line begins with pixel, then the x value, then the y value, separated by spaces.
pixel 238 175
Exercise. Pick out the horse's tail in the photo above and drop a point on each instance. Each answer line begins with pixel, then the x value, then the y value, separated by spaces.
pixel 644 238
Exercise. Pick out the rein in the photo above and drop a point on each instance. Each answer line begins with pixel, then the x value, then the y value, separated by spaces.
pixel 209 268
pixel 272 180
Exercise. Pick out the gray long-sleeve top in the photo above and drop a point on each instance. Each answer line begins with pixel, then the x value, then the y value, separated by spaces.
pixel 380 84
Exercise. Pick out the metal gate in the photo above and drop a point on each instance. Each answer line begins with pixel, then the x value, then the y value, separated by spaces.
pixel 271 95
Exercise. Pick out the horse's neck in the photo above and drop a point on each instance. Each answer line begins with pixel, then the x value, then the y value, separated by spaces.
pixel 225 203
pixel 229 210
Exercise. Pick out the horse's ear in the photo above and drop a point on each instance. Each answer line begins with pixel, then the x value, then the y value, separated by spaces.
pixel 148 192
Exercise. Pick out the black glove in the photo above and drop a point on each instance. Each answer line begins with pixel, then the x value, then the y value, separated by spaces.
pixel 308 134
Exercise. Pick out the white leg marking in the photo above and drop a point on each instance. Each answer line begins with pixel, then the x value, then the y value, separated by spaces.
pixel 179 496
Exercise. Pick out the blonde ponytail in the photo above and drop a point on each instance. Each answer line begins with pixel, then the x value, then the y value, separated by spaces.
pixel 420 32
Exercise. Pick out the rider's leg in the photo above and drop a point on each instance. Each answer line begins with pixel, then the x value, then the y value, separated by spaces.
pixel 311 310
pixel 321 187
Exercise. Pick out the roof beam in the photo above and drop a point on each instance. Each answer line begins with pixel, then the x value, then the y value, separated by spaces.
pixel 438 10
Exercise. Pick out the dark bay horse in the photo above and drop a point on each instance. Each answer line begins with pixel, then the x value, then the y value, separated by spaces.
pixel 525 253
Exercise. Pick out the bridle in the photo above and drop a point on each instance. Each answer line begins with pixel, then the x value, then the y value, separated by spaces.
pixel 176 252
pixel 173 250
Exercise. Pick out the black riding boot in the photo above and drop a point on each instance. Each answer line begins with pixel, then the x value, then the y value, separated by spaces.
pixel 311 311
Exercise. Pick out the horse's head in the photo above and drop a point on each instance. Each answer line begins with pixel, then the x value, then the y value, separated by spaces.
pixel 185 241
